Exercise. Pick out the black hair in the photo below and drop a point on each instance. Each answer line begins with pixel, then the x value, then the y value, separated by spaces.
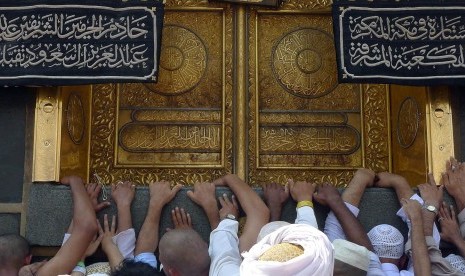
pixel 130 268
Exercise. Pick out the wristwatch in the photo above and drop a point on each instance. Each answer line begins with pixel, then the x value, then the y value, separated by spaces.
pixel 430 208
pixel 230 216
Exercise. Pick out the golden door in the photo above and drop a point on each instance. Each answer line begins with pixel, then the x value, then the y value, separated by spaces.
pixel 244 90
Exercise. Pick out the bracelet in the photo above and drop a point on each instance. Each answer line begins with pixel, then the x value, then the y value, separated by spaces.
pixel 304 203
pixel 81 264
pixel 80 269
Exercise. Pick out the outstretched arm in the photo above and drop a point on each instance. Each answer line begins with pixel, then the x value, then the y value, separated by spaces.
pixel 275 196
pixel 419 251
pixel 302 193
pixel 397 182
pixel 253 206
pixel 160 194
pixel 329 196
pixel 123 195
pixel 450 231
pixel 204 195
pixel 362 179
pixel 84 229
pixel 109 247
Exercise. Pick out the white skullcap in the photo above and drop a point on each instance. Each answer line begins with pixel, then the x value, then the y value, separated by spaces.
pixel 387 241
pixel 271 227
pixel 352 254
pixel 317 257
pixel 457 262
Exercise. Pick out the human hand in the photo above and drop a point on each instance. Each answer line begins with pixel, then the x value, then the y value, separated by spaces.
pixel 430 193
pixel 180 218
pixel 71 180
pixel 93 190
pixel 454 178
pixel 161 192
pixel 390 180
pixel 450 230
pixel 327 194
pixel 94 244
pixel 301 190
pixel 275 195
pixel 364 176
pixel 32 269
pixel 412 208
pixel 108 232
pixel 228 206
pixel 204 195
pixel 123 193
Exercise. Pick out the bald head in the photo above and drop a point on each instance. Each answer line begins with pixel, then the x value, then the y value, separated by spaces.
pixel 14 251
pixel 184 251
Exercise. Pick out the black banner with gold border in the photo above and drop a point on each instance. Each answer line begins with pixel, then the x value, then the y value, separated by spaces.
pixel 79 42
pixel 414 43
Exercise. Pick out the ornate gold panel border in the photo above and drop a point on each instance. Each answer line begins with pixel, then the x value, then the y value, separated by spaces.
pixel 373 118
pixel 105 120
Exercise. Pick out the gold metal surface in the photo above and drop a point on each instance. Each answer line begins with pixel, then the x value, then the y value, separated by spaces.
pixel 241 94
pixel 179 129
pixel 440 130
pixel 303 124
pixel 246 90
pixel 75 130
pixel 47 135
pixel 409 128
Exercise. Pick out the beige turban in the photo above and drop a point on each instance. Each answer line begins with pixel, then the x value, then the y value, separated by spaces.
pixel 317 257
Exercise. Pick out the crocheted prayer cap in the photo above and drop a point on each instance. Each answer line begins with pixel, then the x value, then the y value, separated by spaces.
pixel 387 241
pixel 457 262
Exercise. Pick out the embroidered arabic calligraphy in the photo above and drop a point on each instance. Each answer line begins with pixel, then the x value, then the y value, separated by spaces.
pixel 401 44
pixel 78 42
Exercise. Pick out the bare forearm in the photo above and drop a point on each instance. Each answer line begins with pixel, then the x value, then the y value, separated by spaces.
pixel 114 255
pixel 420 257
pixel 213 217
pixel 250 202
pixel 83 213
pixel 352 228
pixel 148 235
pixel 124 218
pixel 460 244
pixel 428 222
pixel 402 189
pixel 275 213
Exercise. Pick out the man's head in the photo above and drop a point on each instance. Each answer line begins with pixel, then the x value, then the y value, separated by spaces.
pixel 184 252
pixel 131 267
pixel 14 252
pixel 295 249
pixel 387 241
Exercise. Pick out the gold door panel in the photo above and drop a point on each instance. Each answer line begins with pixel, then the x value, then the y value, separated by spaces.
pixel 304 125
pixel 180 128
pixel 242 90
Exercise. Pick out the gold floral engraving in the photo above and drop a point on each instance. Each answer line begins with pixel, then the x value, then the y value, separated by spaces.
pixel 304 63
pixel 377 132
pixel 307 4
pixel 181 133
pixel 183 61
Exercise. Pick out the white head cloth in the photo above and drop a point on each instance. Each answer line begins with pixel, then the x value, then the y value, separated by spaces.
pixel 317 259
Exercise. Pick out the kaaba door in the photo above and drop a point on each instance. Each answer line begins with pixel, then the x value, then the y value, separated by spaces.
pixel 241 89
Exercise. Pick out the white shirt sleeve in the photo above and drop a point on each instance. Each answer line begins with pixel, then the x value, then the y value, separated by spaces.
pixel 404 217
pixel 333 228
pixel 306 215
pixel 224 249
